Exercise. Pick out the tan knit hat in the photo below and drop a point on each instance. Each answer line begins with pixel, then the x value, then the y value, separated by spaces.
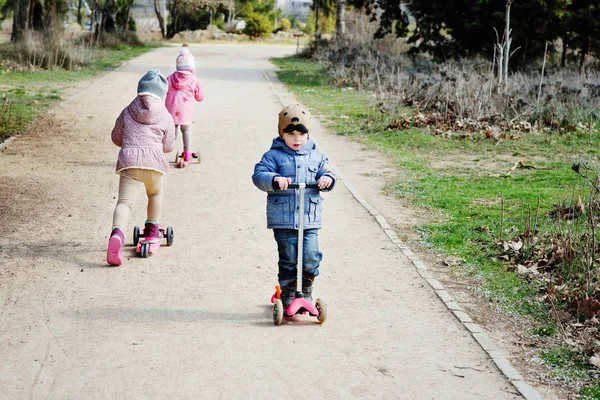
pixel 294 117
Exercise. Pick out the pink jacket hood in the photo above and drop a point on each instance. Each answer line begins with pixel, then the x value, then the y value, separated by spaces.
pixel 181 80
pixel 146 110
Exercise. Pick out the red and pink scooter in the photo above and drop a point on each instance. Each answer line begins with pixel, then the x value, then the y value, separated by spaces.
pixel 299 305
pixel 145 248
pixel 185 158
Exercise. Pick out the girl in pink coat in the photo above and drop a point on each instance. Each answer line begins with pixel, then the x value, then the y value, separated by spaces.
pixel 145 132
pixel 184 90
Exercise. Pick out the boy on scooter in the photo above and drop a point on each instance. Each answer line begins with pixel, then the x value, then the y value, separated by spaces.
pixel 293 157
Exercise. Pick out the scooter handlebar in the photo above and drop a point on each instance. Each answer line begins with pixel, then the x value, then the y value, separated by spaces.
pixel 310 185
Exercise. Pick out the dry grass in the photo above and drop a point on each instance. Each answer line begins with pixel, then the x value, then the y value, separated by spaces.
pixel 38 52
pixel 458 90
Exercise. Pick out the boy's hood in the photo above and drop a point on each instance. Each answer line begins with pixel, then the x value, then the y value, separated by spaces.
pixel 279 144
pixel 181 79
pixel 146 109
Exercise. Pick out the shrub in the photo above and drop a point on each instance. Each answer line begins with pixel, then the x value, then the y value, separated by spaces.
pixel 258 25
pixel 285 24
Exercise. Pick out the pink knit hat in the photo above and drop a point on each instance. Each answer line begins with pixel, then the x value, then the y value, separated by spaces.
pixel 185 61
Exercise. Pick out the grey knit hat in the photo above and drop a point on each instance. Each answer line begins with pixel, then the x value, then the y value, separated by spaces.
pixel 153 82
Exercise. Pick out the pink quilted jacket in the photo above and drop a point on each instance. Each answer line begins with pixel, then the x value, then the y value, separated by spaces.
pixel 145 132
pixel 184 88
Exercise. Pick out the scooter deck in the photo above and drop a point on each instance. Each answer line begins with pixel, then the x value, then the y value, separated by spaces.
pixel 298 306
pixel 180 162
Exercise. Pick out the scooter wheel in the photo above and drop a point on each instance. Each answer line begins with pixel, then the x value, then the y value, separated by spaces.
pixel 136 235
pixel 277 312
pixel 145 250
pixel 322 311
pixel 169 236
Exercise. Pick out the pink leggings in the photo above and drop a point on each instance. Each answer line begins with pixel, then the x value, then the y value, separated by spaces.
pixel 129 186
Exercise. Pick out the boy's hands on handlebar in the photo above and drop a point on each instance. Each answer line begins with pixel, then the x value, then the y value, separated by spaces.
pixel 282 182
pixel 324 182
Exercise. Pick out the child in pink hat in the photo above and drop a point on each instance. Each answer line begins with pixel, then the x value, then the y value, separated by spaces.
pixel 184 88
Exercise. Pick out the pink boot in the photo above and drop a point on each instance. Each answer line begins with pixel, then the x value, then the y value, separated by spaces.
pixel 187 156
pixel 152 236
pixel 115 244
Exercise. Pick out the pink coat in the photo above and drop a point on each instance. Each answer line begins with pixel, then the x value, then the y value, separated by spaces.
pixel 184 88
pixel 145 132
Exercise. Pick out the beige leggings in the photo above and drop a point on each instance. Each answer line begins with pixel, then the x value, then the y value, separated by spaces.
pixel 129 186
pixel 186 133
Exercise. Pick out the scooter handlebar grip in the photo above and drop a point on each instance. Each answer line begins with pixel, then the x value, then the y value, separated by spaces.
pixel 310 185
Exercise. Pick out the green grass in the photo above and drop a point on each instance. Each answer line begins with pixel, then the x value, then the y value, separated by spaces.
pixel 26 94
pixel 474 201
pixel 590 392
pixel 565 366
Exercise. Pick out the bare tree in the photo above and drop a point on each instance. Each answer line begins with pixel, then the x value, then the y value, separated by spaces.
pixel 231 12
pixel 502 50
pixel 161 17
pixel 507 40
pixel 20 20
pixel 79 16
pixel 340 18
pixel 50 18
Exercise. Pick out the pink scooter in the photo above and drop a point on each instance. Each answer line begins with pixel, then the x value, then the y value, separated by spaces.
pixel 180 158
pixel 146 248
pixel 299 305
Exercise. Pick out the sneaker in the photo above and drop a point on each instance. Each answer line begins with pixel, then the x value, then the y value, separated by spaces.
pixel 307 287
pixel 187 156
pixel 115 244
pixel 288 292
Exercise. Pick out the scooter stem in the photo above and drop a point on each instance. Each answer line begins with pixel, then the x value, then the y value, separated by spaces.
pixel 300 264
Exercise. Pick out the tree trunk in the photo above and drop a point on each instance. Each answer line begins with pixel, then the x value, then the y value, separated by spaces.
pixel 160 17
pixel 50 25
pixel 500 49
pixel 563 56
pixel 507 43
pixel 584 50
pixel 174 17
pixel 30 13
pixel 317 18
pixel 340 19
pixel 93 22
pixel 230 13
pixel 79 17
pixel 20 18
pixel 127 18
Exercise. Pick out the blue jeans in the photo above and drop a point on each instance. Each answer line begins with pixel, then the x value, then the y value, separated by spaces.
pixel 287 246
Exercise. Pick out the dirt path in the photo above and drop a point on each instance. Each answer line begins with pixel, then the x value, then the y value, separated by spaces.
pixel 194 321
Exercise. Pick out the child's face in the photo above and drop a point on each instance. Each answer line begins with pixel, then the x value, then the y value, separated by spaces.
pixel 295 140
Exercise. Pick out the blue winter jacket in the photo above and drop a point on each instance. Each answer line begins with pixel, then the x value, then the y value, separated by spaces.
pixel 306 165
